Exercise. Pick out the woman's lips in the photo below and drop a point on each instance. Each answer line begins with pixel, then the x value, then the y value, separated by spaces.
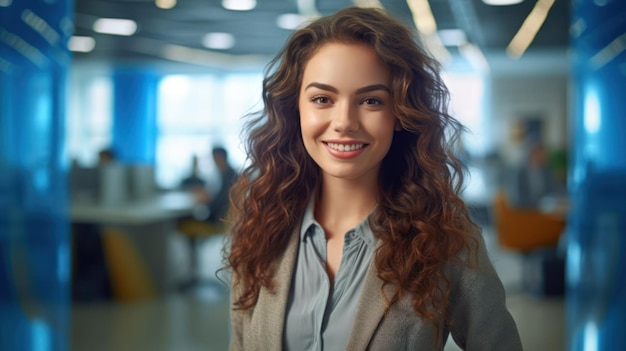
pixel 345 150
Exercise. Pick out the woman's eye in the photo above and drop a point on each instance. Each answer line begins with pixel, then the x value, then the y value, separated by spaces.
pixel 321 100
pixel 372 101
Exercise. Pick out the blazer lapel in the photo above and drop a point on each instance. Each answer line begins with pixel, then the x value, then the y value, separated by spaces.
pixel 369 311
pixel 271 308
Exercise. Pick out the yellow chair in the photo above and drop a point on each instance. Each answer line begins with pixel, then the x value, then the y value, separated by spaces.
pixel 525 229
pixel 130 279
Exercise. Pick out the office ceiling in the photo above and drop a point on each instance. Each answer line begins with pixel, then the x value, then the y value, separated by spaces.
pixel 165 35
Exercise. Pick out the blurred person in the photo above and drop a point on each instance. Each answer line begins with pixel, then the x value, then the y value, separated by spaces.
pixel 533 180
pixel 194 180
pixel 348 231
pixel 106 156
pixel 216 205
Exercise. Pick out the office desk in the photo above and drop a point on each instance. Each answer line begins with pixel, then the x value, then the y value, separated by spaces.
pixel 151 226
pixel 166 206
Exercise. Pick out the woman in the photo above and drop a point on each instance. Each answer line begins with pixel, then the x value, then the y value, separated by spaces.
pixel 347 228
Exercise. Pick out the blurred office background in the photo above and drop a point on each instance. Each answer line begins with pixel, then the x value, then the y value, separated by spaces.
pixel 91 256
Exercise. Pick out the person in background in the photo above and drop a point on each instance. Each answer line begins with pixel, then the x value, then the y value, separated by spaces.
pixel 219 202
pixel 533 180
pixel 207 218
pixel 347 228
pixel 194 180
pixel 216 204
pixel 106 156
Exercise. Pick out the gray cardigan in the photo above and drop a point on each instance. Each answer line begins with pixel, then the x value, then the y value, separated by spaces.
pixel 480 319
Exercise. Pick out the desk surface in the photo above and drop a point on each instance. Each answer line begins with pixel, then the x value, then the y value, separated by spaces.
pixel 164 206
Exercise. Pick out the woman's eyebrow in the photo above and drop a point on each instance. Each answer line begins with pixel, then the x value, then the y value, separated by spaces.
pixel 362 90
pixel 322 86
pixel 373 87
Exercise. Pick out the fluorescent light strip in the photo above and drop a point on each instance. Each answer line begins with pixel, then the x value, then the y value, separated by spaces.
pixel 609 52
pixel 115 26
pixel 422 16
pixel 23 47
pixel 427 26
pixel 528 30
pixel 40 26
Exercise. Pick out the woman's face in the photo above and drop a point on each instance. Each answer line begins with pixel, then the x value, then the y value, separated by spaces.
pixel 345 109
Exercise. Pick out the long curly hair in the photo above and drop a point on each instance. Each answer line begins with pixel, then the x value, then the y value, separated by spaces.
pixel 420 220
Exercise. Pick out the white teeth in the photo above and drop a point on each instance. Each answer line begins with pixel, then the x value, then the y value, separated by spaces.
pixel 344 147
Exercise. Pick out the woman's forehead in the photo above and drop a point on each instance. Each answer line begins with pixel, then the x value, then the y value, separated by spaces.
pixel 342 64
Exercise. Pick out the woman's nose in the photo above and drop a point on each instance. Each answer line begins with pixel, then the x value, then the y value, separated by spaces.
pixel 345 118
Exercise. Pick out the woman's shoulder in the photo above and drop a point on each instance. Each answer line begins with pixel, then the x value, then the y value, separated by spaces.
pixel 472 257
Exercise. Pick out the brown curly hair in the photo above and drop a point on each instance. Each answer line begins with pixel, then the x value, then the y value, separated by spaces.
pixel 420 220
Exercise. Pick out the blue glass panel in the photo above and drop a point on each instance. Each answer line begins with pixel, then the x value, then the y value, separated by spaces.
pixel 596 268
pixel 34 240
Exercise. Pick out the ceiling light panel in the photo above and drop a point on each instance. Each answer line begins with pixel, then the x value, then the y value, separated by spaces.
pixel 218 41
pixel 115 26
pixel 502 2
pixel 290 21
pixel 81 44
pixel 165 4
pixel 239 5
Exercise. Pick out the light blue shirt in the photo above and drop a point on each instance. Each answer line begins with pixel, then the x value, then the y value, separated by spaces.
pixel 320 314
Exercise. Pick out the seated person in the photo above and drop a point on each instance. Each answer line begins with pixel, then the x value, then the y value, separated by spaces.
pixel 106 156
pixel 193 180
pixel 213 207
pixel 218 203
pixel 533 180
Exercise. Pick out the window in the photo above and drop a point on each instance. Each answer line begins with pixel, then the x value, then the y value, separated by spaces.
pixel 196 113
pixel 89 118
pixel 467 92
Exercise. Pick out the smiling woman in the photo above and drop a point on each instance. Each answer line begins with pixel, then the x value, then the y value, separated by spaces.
pixel 346 119
pixel 348 231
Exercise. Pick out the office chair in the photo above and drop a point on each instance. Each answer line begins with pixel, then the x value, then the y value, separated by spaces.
pixel 535 235
pixel 130 278
pixel 196 231
pixel 525 229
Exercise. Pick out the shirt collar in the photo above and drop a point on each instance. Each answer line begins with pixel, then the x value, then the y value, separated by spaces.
pixel 362 229
pixel 308 220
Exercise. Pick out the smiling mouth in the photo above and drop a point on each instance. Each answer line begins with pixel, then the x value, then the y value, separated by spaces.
pixel 345 147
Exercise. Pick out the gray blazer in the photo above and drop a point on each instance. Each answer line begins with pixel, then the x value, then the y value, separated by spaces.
pixel 480 319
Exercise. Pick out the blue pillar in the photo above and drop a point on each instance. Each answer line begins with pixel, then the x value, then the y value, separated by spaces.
pixel 34 234
pixel 134 114
pixel 596 263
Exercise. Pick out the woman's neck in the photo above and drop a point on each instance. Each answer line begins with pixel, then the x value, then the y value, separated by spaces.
pixel 341 205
